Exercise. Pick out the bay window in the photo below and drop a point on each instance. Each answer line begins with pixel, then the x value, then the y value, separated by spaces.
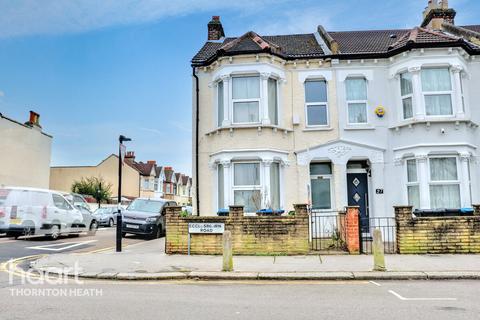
pixel 413 186
pixel 316 103
pixel 356 90
pixel 275 186
pixel 437 91
pixel 406 89
pixel 246 99
pixel 246 186
pixel 221 186
pixel 444 183
pixel 321 185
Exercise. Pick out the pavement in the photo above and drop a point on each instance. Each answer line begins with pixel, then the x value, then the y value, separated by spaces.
pixel 147 261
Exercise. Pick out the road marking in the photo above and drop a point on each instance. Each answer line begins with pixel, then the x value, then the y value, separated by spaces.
pixel 375 283
pixel 54 247
pixel 420 299
pixel 7 241
pixel 105 229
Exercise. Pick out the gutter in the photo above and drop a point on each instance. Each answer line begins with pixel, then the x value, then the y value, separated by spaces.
pixel 197 120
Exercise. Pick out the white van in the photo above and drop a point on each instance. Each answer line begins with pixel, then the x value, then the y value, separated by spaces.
pixel 28 211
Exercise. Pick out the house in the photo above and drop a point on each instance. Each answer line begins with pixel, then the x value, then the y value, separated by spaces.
pixel 169 183
pixel 158 185
pixel 334 118
pixel 62 177
pixel 26 153
pixel 183 186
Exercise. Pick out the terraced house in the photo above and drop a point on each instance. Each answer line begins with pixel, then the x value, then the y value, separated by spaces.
pixel 334 118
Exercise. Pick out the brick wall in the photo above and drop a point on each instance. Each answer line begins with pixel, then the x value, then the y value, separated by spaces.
pixel 459 234
pixel 352 236
pixel 284 235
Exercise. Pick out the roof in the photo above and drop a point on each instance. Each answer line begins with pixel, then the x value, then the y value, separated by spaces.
pixel 185 179
pixel 25 125
pixel 145 169
pixel 168 175
pixel 368 44
pixel 177 177
pixel 158 171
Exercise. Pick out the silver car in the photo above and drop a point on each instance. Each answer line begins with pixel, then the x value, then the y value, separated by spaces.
pixel 106 216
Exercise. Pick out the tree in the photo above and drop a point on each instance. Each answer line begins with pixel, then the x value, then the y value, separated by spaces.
pixel 93 186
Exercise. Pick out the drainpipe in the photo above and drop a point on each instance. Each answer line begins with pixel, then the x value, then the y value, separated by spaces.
pixel 197 120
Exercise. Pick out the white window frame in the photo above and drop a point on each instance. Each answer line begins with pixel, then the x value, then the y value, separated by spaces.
pixel 259 99
pixel 307 104
pixel 258 187
pixel 413 183
pixel 357 101
pixel 444 182
pixel 438 93
pixel 323 176
pixel 217 97
pixel 407 96
pixel 277 80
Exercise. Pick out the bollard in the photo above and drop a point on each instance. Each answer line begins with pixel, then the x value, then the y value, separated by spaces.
pixel 378 251
pixel 227 251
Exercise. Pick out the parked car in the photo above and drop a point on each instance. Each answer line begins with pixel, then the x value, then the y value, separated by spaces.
pixel 146 217
pixel 29 211
pixel 106 216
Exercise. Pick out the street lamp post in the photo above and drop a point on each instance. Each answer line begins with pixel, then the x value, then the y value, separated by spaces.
pixel 121 140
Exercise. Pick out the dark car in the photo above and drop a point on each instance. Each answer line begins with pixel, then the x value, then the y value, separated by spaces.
pixel 145 217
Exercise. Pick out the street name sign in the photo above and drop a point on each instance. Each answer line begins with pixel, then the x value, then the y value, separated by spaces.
pixel 206 228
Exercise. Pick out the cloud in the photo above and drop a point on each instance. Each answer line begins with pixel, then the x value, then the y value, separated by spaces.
pixel 2 94
pixel 152 130
pixel 181 126
pixel 29 17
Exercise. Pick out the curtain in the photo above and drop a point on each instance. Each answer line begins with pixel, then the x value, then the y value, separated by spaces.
pixel 315 91
pixel 356 89
pixel 412 170
pixel 407 108
pixel 221 187
pixel 414 196
pixel 275 186
pixel 445 196
pixel 357 113
pixel 220 103
pixel 317 115
pixel 250 199
pixel 245 112
pixel 321 197
pixel 272 101
pixel 406 84
pixel 443 169
pixel 439 104
pixel 246 174
pixel 436 79
pixel 246 87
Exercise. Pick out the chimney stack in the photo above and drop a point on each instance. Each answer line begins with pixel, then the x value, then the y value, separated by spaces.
pixel 152 162
pixel 130 157
pixel 436 13
pixel 34 120
pixel 215 29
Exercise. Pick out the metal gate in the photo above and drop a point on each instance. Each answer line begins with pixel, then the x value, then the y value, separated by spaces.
pixel 327 231
pixel 388 228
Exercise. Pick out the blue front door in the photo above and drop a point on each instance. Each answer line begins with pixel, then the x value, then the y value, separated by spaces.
pixel 358 196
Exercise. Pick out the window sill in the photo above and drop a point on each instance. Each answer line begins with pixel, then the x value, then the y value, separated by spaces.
pixel 258 127
pixel 326 128
pixel 359 127
pixel 428 121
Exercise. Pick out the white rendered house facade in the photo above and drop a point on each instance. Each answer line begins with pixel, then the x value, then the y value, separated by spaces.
pixel 319 119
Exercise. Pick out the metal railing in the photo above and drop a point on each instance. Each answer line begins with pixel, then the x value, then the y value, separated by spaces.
pixel 327 231
pixel 388 228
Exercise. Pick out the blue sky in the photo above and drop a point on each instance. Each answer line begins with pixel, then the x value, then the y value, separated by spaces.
pixel 95 69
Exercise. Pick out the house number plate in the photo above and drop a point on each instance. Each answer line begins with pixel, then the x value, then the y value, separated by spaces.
pixel 206 228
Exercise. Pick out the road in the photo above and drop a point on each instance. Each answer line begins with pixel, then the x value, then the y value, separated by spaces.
pixel 95 299
pixel 436 300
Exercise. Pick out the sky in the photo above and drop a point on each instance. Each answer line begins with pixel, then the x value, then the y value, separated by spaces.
pixel 96 69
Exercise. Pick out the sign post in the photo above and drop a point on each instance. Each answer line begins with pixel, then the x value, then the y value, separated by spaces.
pixel 204 228
pixel 121 155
